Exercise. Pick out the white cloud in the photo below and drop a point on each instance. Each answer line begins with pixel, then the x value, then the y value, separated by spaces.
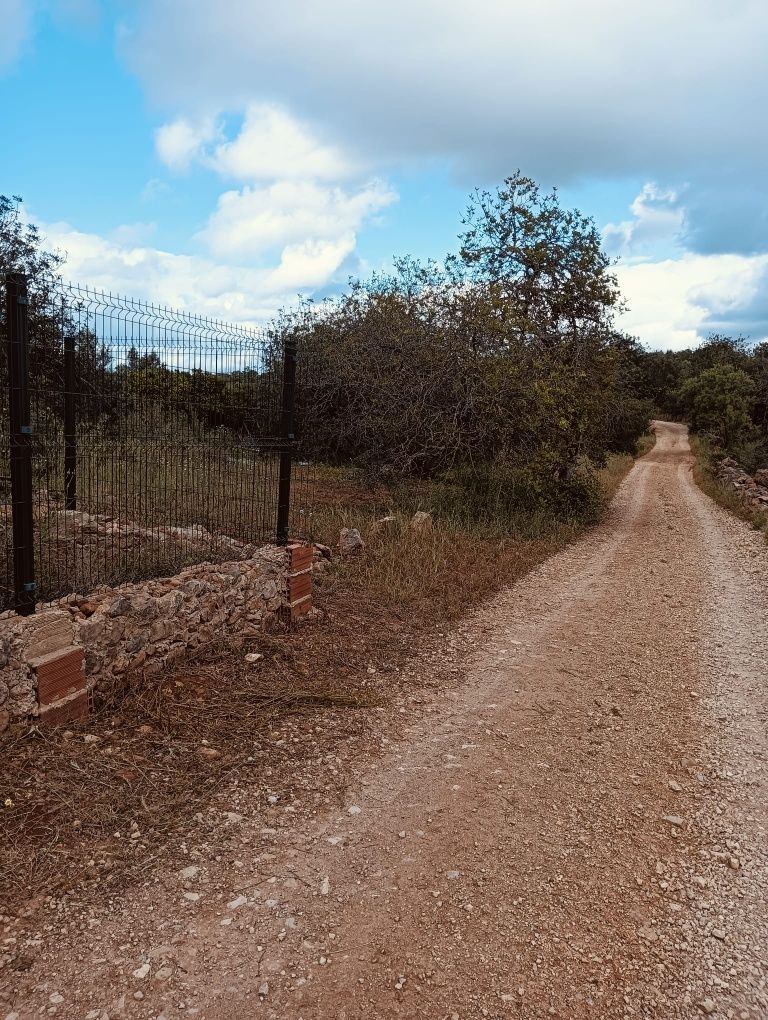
pixel 181 141
pixel 272 145
pixel 564 90
pixel 303 199
pixel 15 19
pixel 674 302
pixel 302 233
pixel 252 221
pixel 189 282
pixel 659 216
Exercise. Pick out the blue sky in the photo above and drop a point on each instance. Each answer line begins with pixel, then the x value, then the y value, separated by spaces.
pixel 227 157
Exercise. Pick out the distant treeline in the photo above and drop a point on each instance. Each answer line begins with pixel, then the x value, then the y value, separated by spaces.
pixel 720 388
pixel 499 369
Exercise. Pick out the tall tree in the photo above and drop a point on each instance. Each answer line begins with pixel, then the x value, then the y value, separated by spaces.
pixel 545 263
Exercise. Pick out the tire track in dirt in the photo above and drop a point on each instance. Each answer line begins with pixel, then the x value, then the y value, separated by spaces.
pixel 575 829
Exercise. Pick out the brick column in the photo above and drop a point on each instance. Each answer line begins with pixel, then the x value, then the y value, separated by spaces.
pixel 300 559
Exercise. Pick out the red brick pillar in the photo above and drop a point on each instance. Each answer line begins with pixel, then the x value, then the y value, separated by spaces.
pixel 300 559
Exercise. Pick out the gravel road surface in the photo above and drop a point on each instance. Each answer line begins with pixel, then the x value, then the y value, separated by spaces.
pixel 573 826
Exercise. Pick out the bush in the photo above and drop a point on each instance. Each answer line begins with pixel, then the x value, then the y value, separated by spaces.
pixel 519 498
pixel 717 403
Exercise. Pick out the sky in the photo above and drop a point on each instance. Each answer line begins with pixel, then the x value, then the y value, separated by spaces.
pixel 226 157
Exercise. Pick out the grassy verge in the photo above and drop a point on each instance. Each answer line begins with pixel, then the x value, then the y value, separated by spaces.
pixel 93 816
pixel 704 475
pixel 646 443
pixel 438 574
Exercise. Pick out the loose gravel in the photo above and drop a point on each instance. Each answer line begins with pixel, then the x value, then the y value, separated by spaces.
pixel 564 816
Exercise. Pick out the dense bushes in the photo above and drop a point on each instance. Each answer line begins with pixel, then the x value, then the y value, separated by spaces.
pixel 720 389
pixel 498 371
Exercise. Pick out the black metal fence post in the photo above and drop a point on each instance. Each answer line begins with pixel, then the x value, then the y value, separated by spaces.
pixel 286 435
pixel 21 443
pixel 70 424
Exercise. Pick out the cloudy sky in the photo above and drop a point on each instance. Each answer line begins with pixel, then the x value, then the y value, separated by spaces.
pixel 227 156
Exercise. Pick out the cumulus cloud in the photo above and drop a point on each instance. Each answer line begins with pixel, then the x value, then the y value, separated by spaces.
pixel 658 217
pixel 183 140
pixel 673 303
pixel 266 246
pixel 249 222
pixel 559 88
pixel 192 282
pixel 303 199
pixel 272 145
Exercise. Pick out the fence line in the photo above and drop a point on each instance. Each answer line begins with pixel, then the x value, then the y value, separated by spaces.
pixel 135 440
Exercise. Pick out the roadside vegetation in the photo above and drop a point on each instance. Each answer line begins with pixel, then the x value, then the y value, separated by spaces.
pixel 721 390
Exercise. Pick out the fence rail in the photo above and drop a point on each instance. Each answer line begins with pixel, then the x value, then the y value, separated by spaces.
pixel 135 440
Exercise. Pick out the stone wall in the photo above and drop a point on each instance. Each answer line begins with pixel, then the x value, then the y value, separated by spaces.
pixel 753 489
pixel 51 661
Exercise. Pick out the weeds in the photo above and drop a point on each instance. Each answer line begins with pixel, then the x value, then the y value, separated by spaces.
pixel 73 806
pixel 705 477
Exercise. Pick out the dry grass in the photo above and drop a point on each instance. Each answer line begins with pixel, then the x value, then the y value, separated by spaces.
pixel 708 482
pixel 74 805
pixel 71 803
pixel 645 443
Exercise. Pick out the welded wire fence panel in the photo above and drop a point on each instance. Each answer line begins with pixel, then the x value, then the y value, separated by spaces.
pixel 156 440
pixel 6 521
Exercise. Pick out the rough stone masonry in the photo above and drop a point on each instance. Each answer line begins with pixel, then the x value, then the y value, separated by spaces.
pixel 51 662
pixel 752 489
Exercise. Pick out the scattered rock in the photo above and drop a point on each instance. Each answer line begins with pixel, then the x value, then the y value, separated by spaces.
pixel 676 787
pixel 253 656
pixel 142 972
pixel 350 541
pixel 675 820
pixel 707 1006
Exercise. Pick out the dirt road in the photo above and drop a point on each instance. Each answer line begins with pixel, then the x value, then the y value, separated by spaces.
pixel 574 827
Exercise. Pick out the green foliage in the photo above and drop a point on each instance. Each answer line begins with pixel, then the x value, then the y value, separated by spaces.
pixel 717 402
pixel 544 264
pixel 720 388
pixel 22 251
pixel 519 496
pixel 500 369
